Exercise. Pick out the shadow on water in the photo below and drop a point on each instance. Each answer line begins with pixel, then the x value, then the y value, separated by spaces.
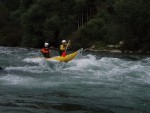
pixel 1 68
pixel 62 107
pixel 68 107
pixel 2 71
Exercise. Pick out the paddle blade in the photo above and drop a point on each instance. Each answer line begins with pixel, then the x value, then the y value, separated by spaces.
pixel 64 54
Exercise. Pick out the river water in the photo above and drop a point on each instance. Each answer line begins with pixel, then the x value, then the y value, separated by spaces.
pixel 92 83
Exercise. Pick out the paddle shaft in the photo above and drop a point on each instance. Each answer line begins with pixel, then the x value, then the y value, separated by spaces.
pixel 67 46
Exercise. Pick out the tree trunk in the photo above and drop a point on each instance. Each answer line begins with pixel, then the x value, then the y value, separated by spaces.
pixel 82 19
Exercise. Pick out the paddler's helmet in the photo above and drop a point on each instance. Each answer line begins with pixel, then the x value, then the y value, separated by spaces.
pixel 46 44
pixel 63 41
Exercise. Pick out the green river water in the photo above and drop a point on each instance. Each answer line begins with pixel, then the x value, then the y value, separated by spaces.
pixel 91 83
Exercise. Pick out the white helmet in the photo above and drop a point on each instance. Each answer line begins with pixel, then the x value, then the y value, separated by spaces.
pixel 46 44
pixel 63 41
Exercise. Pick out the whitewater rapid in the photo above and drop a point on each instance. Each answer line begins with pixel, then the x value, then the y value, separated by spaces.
pixel 91 67
pixel 115 84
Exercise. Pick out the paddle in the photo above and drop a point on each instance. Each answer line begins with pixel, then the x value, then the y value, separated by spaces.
pixel 65 53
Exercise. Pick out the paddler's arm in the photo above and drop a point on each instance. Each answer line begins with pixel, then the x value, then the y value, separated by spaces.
pixel 62 48
pixel 69 44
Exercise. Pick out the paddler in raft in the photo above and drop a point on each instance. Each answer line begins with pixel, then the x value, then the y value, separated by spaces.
pixel 63 48
pixel 46 51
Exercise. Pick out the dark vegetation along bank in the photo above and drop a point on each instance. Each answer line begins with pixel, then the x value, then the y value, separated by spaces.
pixel 97 23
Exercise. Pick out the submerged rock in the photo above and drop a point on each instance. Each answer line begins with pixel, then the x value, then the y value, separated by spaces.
pixel 1 68
pixel 116 51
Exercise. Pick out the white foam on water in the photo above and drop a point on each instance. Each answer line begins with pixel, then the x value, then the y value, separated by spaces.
pixel 5 51
pixel 34 60
pixel 46 84
pixel 15 80
pixel 91 63
pixel 31 69
pixel 89 67
pixel 28 82
pixel 111 68
pixel 82 63
pixel 11 50
pixel 147 59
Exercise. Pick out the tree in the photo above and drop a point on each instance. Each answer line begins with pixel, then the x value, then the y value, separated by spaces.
pixel 132 22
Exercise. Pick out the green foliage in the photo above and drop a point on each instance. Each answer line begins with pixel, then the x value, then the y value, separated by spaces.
pixel 93 31
pixel 3 15
pixel 132 22
pixel 11 4
pixel 30 23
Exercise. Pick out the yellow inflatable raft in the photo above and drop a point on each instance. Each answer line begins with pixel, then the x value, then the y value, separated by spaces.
pixel 63 59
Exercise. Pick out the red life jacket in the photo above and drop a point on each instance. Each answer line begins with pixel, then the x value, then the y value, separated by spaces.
pixel 45 51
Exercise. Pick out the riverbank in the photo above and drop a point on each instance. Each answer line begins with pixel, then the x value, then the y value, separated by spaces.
pixel 109 49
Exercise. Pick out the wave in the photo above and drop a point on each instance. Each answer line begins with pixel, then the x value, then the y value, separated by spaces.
pixel 29 69
pixel 110 68
pixel 15 79
pixel 28 82
pixel 92 67
pixel 87 69
pixel 34 60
